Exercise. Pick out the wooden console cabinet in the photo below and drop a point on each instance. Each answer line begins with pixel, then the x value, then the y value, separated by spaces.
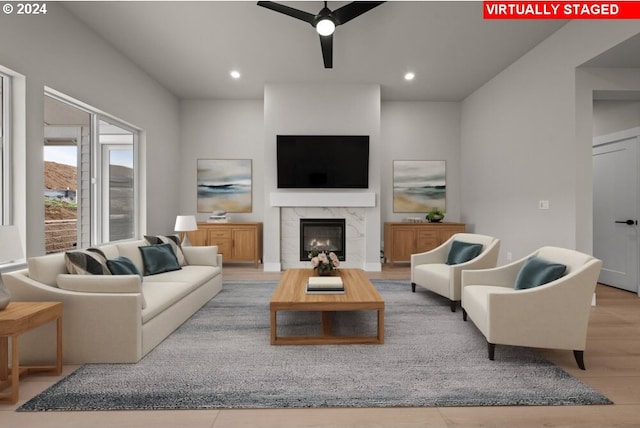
pixel 403 239
pixel 237 242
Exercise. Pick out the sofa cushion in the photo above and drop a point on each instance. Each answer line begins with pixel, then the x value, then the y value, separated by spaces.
pixel 129 249
pixel 201 255
pixel 191 274
pixel 434 276
pixel 110 251
pixel 174 241
pixel 122 265
pixel 162 295
pixel 91 261
pixel 158 259
pixel 45 269
pixel 163 290
pixel 102 284
pixel 537 271
pixel 461 252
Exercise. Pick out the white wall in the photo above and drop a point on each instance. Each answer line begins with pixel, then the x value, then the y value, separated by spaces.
pixel 420 131
pixel 613 116
pixel 321 109
pixel 221 129
pixel 57 51
pixel 522 141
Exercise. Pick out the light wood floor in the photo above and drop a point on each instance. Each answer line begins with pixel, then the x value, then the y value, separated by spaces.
pixel 613 368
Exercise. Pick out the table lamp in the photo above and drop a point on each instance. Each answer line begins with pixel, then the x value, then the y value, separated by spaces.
pixel 184 224
pixel 10 251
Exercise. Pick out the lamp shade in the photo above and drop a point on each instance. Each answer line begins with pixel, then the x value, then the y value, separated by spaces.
pixel 10 246
pixel 185 223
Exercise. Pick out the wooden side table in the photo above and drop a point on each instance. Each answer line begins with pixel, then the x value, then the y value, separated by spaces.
pixel 18 318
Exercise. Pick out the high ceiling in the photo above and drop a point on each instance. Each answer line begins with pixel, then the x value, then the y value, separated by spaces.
pixel 190 47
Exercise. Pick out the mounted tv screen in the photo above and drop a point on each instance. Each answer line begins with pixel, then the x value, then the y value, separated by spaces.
pixel 323 161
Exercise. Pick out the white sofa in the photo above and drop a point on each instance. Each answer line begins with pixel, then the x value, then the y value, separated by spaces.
pixel 115 318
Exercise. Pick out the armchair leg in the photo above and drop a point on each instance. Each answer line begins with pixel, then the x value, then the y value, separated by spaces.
pixel 492 350
pixel 464 314
pixel 579 355
pixel 413 287
pixel 453 305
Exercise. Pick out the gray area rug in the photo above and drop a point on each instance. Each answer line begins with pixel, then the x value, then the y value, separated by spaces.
pixel 221 358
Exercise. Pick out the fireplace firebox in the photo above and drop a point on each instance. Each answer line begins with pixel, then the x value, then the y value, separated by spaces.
pixel 323 234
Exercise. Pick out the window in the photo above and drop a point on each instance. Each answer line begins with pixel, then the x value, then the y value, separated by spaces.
pixel 90 177
pixel 117 178
pixel 5 155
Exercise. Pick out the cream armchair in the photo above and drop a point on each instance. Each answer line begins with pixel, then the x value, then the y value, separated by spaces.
pixel 430 270
pixel 553 315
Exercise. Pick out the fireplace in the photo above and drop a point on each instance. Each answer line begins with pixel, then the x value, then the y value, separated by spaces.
pixel 324 234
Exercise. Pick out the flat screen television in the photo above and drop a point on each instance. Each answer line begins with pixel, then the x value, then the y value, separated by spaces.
pixel 323 161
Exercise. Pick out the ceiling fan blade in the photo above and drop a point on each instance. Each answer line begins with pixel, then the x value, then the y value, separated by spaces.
pixel 326 42
pixel 295 13
pixel 352 10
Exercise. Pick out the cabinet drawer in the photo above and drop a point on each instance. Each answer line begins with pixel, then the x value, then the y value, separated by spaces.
pixel 220 234
pixel 224 247
pixel 427 234
pixel 427 240
pixel 197 237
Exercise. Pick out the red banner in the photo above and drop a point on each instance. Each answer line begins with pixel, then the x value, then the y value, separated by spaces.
pixel 561 10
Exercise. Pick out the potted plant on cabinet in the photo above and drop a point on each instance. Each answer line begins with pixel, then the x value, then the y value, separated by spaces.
pixel 435 215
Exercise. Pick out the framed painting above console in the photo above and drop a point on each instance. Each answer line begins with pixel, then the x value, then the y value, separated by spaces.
pixel 419 186
pixel 224 185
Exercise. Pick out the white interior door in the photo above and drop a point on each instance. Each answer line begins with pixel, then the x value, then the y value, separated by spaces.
pixel 615 211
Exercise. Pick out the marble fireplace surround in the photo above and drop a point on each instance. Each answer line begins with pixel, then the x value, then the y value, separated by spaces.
pixel 353 207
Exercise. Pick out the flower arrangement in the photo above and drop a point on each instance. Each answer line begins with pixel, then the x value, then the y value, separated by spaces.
pixel 324 262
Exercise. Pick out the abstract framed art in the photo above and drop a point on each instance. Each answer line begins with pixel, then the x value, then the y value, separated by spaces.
pixel 224 185
pixel 419 186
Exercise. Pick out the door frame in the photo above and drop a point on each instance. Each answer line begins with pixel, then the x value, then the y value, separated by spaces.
pixel 615 137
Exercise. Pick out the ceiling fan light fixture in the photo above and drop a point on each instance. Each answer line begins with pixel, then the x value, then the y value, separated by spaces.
pixel 326 21
pixel 325 26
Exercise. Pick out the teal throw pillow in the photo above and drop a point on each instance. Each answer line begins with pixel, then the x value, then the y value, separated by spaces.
pixel 538 271
pixel 122 266
pixel 158 259
pixel 461 252
pixel 175 245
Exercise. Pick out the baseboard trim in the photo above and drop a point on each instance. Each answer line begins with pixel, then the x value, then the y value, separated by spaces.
pixel 373 267
pixel 272 267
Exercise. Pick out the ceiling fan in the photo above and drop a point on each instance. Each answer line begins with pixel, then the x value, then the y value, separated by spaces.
pixel 325 21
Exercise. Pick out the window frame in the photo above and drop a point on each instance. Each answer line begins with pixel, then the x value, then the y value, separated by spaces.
pixel 6 172
pixel 97 202
pixel 100 162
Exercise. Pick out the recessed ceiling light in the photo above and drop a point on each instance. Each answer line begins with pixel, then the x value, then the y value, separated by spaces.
pixel 235 74
pixel 409 76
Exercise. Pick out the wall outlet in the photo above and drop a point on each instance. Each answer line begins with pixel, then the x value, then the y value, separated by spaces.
pixel 509 255
pixel 543 204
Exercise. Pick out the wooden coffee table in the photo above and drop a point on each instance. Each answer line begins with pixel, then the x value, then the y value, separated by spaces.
pixel 359 295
